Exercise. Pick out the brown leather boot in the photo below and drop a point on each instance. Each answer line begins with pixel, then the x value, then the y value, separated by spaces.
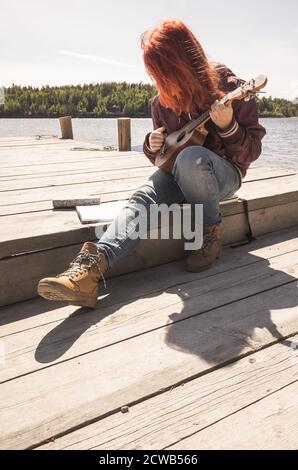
pixel 79 284
pixel 203 258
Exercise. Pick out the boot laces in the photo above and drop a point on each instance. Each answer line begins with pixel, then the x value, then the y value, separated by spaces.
pixel 85 259
pixel 207 240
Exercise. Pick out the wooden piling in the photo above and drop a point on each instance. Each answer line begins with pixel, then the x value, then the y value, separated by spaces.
pixel 124 134
pixel 66 127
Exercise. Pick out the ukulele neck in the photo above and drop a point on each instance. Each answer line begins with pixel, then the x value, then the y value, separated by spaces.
pixel 199 120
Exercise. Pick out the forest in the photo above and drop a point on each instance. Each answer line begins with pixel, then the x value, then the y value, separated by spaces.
pixel 107 99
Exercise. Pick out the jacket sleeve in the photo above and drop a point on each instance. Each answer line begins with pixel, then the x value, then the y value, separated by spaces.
pixel 242 139
pixel 156 124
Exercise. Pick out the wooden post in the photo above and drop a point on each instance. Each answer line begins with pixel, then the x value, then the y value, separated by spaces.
pixel 124 134
pixel 66 127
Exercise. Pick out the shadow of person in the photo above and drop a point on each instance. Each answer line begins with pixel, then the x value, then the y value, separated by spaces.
pixel 65 334
pixel 230 325
pixel 218 314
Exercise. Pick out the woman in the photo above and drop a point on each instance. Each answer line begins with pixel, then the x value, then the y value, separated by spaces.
pixel 187 85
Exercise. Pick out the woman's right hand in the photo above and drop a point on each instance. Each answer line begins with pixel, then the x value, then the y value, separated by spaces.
pixel 156 139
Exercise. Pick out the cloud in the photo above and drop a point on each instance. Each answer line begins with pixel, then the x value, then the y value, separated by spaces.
pixel 95 58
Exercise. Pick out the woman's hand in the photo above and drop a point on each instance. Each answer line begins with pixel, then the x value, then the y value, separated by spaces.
pixel 222 114
pixel 156 139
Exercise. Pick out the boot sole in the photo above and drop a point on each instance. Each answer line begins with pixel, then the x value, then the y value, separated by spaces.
pixel 198 270
pixel 59 292
pixel 201 268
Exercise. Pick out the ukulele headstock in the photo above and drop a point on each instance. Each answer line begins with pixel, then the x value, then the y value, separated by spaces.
pixel 248 90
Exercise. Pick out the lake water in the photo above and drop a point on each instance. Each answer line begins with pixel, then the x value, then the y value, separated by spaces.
pixel 280 145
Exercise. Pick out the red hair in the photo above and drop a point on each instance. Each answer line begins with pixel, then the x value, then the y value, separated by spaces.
pixel 179 68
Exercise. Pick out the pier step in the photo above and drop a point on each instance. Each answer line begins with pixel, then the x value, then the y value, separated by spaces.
pixel 36 241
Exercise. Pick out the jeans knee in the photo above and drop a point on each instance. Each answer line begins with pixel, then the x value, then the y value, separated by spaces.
pixel 192 160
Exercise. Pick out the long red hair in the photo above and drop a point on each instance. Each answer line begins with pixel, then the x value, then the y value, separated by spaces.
pixel 179 68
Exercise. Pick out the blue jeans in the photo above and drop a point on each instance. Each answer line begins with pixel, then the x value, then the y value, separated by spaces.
pixel 199 176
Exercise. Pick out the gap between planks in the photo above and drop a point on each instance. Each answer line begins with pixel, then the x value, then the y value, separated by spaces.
pixel 191 408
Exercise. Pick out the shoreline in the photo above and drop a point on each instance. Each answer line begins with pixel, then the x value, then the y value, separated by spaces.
pixel 121 115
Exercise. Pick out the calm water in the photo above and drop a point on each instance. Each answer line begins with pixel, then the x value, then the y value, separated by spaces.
pixel 280 146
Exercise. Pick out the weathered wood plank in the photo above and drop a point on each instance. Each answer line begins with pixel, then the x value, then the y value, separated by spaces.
pixel 270 192
pixel 257 192
pixel 228 208
pixel 101 164
pixel 46 262
pixel 18 280
pixel 83 167
pixel 268 424
pixel 40 405
pixel 34 231
pixel 38 312
pixel 58 342
pixel 196 406
pixel 85 189
pixel 73 179
pixel 56 156
pixel 276 217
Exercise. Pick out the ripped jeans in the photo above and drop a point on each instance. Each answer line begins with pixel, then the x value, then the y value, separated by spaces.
pixel 199 176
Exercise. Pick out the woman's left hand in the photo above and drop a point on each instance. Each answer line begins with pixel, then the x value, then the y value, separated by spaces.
pixel 222 114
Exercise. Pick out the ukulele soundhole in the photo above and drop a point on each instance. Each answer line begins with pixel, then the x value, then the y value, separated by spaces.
pixel 181 136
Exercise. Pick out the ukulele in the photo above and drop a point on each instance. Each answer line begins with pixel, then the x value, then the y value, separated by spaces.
pixel 194 132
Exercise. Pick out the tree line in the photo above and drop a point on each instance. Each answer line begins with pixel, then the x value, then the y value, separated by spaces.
pixel 107 99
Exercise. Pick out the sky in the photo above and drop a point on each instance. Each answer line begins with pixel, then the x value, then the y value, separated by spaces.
pixel 60 42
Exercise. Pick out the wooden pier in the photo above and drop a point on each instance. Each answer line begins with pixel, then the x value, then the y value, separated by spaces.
pixel 193 355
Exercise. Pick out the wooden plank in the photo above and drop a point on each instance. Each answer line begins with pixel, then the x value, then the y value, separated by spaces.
pixel 19 275
pixel 56 156
pixel 274 218
pixel 283 192
pixel 33 231
pixel 17 284
pixel 270 192
pixel 103 164
pixel 268 424
pixel 38 406
pixel 59 341
pixel 85 189
pixel 22 233
pixel 204 407
pixel 25 140
pixel 37 140
pixel 73 179
pixel 44 263
pixel 33 225
pixel 38 312
pixel 98 165
pixel 228 207
pixel 262 173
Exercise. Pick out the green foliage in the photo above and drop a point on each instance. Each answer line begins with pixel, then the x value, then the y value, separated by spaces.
pixel 89 100
pixel 105 99
pixel 277 107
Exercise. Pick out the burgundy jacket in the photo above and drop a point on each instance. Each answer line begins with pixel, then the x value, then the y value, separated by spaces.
pixel 240 143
